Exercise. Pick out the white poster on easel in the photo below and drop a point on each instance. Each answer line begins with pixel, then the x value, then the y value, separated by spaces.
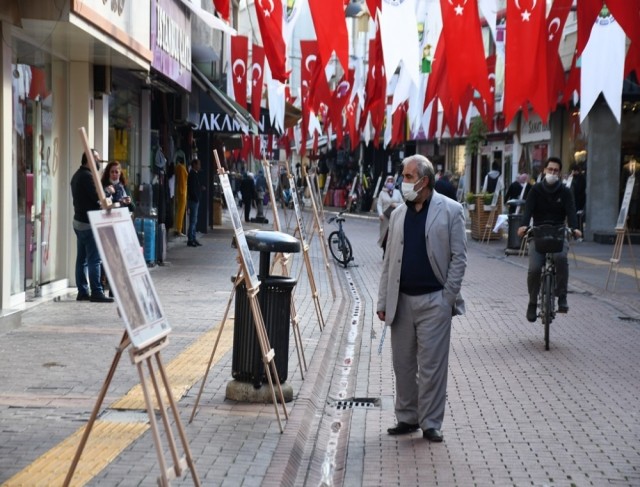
pixel 626 200
pixel 241 240
pixel 128 276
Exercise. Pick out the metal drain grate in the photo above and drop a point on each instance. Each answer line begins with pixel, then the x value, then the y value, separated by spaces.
pixel 629 318
pixel 356 403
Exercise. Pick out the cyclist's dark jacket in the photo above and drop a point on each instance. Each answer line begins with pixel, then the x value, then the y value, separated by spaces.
pixel 550 204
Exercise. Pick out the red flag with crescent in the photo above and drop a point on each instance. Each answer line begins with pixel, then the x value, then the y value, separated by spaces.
pixel 465 67
pixel 239 55
pixel 331 30
pixel 222 7
pixel 525 59
pixel 555 25
pixel 257 80
pixel 270 18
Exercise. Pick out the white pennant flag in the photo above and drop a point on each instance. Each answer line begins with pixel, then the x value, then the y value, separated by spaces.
pixel 602 67
pixel 399 34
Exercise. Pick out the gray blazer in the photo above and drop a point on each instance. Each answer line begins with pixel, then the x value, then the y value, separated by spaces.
pixel 446 249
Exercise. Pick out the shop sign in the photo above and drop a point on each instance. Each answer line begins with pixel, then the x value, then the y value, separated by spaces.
pixel 126 21
pixel 214 118
pixel 534 129
pixel 171 41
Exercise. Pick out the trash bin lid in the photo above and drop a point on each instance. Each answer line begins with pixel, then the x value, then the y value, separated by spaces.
pixel 271 241
pixel 516 202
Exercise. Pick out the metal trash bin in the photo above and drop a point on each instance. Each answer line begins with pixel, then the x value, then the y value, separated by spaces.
pixel 274 298
pixel 514 241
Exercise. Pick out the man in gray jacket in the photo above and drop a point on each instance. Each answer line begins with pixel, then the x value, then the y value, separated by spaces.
pixel 418 295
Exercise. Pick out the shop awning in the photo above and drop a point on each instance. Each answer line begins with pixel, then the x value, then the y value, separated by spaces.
pixel 226 104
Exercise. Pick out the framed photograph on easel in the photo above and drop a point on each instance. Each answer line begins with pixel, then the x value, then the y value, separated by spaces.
pixel 129 276
pixel 241 240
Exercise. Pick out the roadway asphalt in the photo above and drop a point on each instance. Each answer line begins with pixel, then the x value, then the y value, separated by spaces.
pixel 516 414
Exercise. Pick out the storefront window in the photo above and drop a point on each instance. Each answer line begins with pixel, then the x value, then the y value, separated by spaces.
pixel 40 186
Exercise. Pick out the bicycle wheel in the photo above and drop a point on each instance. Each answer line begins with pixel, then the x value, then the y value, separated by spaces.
pixel 546 306
pixel 337 248
pixel 347 251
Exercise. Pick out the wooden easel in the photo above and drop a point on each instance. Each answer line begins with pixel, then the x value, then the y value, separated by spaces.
pixel 138 357
pixel 319 227
pixel 283 260
pixel 305 248
pixel 621 231
pixel 252 284
pixel 488 228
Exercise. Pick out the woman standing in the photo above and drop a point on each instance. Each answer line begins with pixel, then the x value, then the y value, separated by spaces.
pixel 115 186
pixel 388 199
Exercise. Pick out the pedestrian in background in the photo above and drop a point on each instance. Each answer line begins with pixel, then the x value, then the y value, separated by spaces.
pixel 493 180
pixel 194 189
pixel 85 199
pixel 248 192
pixel 388 199
pixel 518 190
pixel 181 194
pixel 114 184
pixel 261 189
pixel 418 295
pixel 445 186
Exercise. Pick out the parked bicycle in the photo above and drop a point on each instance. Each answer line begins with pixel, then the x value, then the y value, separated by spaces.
pixel 548 240
pixel 339 244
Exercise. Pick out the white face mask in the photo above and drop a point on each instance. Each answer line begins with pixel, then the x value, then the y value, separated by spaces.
pixel 409 190
pixel 551 178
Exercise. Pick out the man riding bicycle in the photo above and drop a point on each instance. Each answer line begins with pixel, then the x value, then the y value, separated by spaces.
pixel 549 202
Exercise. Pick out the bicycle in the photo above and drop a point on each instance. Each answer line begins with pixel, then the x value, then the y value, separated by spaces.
pixel 339 244
pixel 548 240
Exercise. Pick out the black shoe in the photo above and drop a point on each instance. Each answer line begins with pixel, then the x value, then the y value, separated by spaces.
pixel 433 435
pixel 83 297
pixel 191 244
pixel 532 314
pixel 197 244
pixel 403 428
pixel 100 298
pixel 563 306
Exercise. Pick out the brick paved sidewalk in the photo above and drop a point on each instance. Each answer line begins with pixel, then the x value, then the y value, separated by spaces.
pixel 516 414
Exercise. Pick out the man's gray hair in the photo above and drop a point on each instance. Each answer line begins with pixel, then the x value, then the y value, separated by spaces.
pixel 425 168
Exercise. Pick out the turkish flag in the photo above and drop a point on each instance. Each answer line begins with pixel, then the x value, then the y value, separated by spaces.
pixel 633 60
pixel 246 147
pixel 465 66
pixel 239 55
pixel 222 7
pixel 257 80
pixel 308 50
pixel 399 124
pixel 350 113
pixel 526 59
pixel 491 69
pixel 270 17
pixel 573 81
pixel 555 25
pixel 339 99
pixel 376 86
pixel 331 30
pixel 373 6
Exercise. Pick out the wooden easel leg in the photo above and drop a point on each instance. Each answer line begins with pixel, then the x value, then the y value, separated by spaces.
pixel 215 345
pixel 615 259
pixel 314 290
pixel 267 355
pixel 177 469
pixel 298 339
pixel 174 408
pixel 163 480
pixel 124 343
pixel 633 259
